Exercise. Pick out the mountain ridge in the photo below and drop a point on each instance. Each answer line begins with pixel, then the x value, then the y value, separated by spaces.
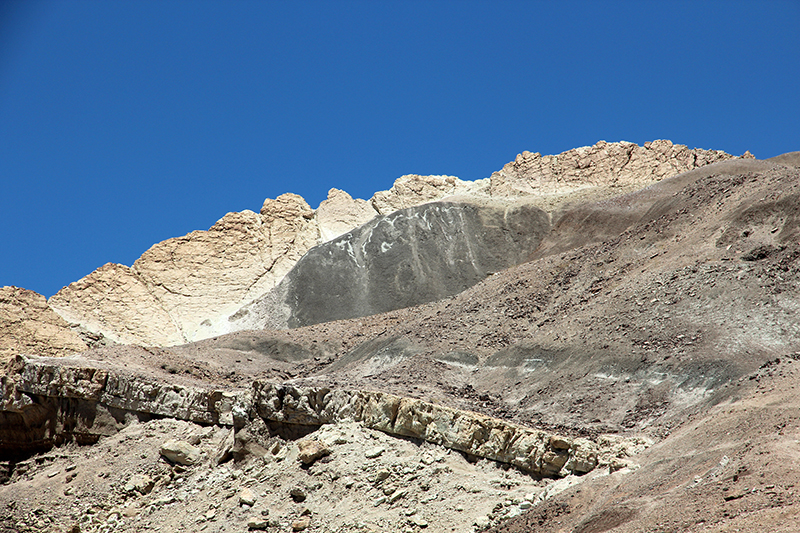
pixel 174 292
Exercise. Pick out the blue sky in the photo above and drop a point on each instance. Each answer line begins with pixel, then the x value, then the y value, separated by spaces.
pixel 126 123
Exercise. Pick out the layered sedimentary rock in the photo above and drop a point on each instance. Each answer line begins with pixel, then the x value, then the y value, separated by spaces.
pixel 29 326
pixel 529 449
pixel 412 256
pixel 184 289
pixel 45 402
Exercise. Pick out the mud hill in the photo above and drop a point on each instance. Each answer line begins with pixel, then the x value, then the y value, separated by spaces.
pixel 632 368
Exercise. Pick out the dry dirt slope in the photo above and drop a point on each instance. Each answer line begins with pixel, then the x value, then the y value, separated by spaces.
pixel 669 313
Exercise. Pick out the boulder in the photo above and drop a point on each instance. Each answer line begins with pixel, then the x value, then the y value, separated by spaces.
pixel 309 450
pixel 181 452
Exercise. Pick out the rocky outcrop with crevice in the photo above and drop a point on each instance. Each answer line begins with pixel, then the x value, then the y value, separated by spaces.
pixel 44 402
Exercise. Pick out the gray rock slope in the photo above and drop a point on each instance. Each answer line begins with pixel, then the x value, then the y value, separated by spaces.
pixel 410 257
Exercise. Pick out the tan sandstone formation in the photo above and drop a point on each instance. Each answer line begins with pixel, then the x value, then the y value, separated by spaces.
pixel 183 289
pixel 115 301
pixel 28 326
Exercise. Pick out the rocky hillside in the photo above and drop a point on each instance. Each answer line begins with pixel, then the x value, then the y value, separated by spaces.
pixel 616 355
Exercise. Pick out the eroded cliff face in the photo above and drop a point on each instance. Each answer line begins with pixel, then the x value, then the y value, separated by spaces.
pixel 184 289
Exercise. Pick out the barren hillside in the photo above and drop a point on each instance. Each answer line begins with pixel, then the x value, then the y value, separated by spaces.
pixel 633 371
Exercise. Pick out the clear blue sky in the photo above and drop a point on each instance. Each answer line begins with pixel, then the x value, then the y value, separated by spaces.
pixel 124 123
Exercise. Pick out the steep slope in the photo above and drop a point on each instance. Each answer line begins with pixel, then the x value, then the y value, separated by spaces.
pixel 413 256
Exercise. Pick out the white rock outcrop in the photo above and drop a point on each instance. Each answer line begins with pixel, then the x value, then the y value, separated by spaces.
pixel 413 190
pixel 340 213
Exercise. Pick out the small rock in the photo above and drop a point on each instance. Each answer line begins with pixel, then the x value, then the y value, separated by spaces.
pixel 165 500
pixel 301 523
pixel 372 453
pixel 225 450
pixel 380 500
pixel 397 495
pixel 211 514
pixel 419 521
pixel 482 522
pixel 180 452
pixel 525 505
pixel 380 475
pixel 558 442
pixel 257 523
pixel 246 497
pixel 139 483
pixel 309 450
pixel 298 494
pixel 54 473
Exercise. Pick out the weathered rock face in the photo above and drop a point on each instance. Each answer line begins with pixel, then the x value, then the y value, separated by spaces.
pixel 605 164
pixel 204 275
pixel 116 301
pixel 28 325
pixel 410 257
pixel 184 289
pixel 177 290
pixel 531 450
